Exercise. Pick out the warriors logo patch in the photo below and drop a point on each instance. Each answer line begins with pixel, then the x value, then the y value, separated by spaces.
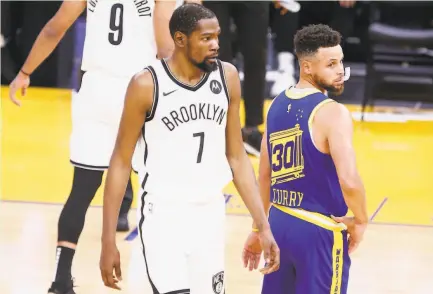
pixel 218 283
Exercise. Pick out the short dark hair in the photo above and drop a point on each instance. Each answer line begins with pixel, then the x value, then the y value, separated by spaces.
pixel 310 38
pixel 186 17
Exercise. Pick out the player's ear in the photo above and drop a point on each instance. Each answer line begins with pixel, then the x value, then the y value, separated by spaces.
pixel 306 66
pixel 180 39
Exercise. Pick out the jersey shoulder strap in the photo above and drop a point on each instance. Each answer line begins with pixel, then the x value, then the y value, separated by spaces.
pixel 151 113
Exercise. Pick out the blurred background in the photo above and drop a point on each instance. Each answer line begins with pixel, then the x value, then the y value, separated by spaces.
pixel 387 44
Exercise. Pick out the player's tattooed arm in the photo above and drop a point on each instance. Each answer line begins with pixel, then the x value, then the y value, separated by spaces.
pixel 243 173
pixel 162 14
pixel 138 101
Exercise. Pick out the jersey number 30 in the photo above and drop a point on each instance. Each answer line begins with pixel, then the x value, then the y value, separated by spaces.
pixel 116 24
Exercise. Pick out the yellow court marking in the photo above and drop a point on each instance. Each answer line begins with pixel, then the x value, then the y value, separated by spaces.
pixel 394 158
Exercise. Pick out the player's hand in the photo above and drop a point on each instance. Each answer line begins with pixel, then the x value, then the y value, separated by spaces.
pixel 109 262
pixel 347 3
pixel 277 6
pixel 21 82
pixel 355 230
pixel 271 252
pixel 252 251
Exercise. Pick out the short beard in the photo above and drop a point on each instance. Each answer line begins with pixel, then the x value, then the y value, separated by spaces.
pixel 333 91
pixel 329 88
pixel 204 66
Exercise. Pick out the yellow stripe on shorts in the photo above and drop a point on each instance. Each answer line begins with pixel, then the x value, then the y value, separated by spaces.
pixel 337 263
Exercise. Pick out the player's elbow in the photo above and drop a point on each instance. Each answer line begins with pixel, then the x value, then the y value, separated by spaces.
pixel 53 30
pixel 264 174
pixel 53 33
pixel 351 184
pixel 236 160
pixel 119 162
pixel 264 179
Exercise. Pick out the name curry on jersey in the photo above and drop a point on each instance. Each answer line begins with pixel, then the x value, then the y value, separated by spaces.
pixel 301 176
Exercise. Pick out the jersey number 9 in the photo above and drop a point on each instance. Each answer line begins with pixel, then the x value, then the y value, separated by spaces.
pixel 116 24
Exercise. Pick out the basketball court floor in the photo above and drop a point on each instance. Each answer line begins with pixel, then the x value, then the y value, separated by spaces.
pixel 395 157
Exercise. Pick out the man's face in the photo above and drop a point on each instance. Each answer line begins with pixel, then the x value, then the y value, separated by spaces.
pixel 327 70
pixel 203 44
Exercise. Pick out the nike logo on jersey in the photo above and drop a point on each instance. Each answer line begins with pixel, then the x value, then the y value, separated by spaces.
pixel 168 93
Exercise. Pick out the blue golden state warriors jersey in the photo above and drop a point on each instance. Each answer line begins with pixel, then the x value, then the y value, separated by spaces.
pixel 301 176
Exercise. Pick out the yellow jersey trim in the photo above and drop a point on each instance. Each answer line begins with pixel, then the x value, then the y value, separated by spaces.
pixel 294 93
pixel 313 217
pixel 313 113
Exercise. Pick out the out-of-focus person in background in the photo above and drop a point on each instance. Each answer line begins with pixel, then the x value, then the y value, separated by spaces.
pixel 252 20
pixel 283 21
pixel 339 15
pixel 21 22
pixel 113 52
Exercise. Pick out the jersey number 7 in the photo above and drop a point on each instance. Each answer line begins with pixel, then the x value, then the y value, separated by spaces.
pixel 116 24
pixel 200 149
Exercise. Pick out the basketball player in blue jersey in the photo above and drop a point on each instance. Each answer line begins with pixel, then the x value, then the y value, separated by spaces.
pixel 185 111
pixel 308 175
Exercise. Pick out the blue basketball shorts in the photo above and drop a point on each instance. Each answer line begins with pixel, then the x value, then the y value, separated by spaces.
pixel 314 253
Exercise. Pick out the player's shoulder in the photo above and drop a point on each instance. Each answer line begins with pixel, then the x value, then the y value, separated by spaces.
pixel 333 112
pixel 142 88
pixel 229 69
pixel 143 79
pixel 336 108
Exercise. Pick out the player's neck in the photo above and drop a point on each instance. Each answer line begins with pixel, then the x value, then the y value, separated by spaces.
pixel 307 83
pixel 183 69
